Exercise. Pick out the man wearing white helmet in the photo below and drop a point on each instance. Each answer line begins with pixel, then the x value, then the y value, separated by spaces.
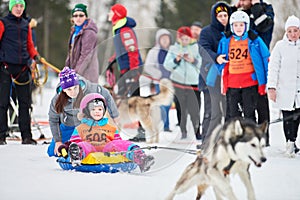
pixel 261 22
pixel 244 74
pixel 214 101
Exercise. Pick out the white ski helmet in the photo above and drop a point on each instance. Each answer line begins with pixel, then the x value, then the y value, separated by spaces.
pixel 239 16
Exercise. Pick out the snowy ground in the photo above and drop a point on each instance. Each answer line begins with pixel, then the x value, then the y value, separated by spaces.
pixel 26 172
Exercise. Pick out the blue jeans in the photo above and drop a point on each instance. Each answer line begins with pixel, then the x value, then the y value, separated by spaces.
pixel 164 111
pixel 66 132
pixel 165 115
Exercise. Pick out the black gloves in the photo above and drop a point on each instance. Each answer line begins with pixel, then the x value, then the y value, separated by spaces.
pixel 37 59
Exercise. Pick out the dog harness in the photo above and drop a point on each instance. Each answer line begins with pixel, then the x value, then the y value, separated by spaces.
pixel 226 169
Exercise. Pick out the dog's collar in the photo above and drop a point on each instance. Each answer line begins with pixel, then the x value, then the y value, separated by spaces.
pixel 226 170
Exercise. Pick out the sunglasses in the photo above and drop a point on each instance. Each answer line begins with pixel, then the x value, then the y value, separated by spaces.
pixel 80 15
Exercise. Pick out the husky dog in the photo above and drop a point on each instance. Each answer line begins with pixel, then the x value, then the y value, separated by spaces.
pixel 146 110
pixel 230 149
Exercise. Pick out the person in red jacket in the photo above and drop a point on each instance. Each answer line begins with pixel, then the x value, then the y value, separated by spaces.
pixel 127 56
pixel 126 50
pixel 16 51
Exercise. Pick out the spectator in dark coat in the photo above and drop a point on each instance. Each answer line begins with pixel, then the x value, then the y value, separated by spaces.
pixel 16 52
pixel 214 101
pixel 196 29
pixel 261 17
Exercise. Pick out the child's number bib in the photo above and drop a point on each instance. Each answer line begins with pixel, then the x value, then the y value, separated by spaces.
pixel 239 57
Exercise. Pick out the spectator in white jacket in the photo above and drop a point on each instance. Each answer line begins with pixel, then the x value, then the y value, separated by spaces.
pixel 155 69
pixel 284 81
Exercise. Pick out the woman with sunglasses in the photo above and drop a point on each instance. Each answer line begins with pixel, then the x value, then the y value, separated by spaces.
pixel 82 53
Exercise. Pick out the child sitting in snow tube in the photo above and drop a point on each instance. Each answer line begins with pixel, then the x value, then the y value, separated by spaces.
pixel 95 134
pixel 65 104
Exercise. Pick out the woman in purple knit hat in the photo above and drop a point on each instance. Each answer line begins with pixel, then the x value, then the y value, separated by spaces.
pixel 65 104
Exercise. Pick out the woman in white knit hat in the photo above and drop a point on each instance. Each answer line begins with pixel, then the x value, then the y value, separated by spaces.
pixel 284 81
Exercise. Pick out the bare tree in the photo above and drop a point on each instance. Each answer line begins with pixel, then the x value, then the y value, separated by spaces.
pixel 283 9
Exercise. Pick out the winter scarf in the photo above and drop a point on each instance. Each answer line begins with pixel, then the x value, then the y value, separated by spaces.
pixel 77 30
pixel 161 58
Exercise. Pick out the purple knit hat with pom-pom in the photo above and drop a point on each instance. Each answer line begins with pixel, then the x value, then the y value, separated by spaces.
pixel 68 78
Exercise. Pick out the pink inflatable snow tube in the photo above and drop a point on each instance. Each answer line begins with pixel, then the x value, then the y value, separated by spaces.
pixel 113 146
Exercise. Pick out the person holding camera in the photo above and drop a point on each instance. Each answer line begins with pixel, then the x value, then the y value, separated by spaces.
pixel 184 61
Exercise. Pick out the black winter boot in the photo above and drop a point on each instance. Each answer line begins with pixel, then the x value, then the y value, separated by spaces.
pixel 3 141
pixel 3 136
pixel 29 141
pixel 75 154
pixel 140 137
pixel 198 135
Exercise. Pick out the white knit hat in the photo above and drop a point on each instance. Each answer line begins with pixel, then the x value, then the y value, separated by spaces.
pixel 292 21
